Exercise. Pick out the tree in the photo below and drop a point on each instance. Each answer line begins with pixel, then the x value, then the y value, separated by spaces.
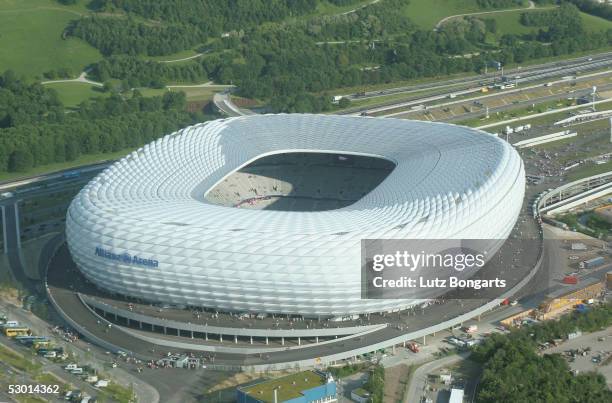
pixel 20 160
pixel 107 86
pixel 344 102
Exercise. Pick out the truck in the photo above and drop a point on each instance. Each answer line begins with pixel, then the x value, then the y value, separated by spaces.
pixel 77 371
pixel 592 263
pixel 570 280
pixel 50 354
pixel 414 347
pixel 10 323
pixel 70 367
pixel 102 383
pixel 91 378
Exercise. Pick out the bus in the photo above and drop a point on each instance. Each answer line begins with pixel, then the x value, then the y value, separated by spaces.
pixel 16 331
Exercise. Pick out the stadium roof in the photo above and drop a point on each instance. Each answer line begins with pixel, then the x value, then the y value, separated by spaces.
pixel 449 182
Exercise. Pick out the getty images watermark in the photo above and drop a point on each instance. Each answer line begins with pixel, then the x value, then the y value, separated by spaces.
pixel 422 269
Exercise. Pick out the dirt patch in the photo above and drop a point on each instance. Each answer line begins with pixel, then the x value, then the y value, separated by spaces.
pixel 242 378
pixel 396 379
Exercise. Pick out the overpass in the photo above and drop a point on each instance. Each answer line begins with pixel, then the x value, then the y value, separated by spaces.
pixel 576 193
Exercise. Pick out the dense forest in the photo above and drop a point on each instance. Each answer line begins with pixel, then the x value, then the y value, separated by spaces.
pixel 126 36
pixel 294 68
pixel 212 16
pixel 36 130
pixel 514 372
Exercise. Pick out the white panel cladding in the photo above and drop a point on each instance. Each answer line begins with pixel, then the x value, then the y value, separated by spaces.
pixel 151 204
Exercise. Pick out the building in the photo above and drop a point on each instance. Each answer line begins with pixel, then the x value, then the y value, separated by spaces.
pixel 360 395
pixel 456 396
pixel 301 387
pixel 266 214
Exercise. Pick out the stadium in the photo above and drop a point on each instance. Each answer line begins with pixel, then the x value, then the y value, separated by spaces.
pixel 265 214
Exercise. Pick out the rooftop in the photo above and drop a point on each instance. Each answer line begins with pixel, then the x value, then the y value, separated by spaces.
pixel 289 387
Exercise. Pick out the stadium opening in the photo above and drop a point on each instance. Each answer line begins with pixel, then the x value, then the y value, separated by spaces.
pixel 301 181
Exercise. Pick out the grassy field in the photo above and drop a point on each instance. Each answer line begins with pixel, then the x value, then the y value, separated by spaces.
pixel 325 8
pixel 31 38
pixel 509 23
pixel 16 361
pixel 192 93
pixel 83 160
pixel 589 170
pixel 72 94
pixel 592 23
pixel 426 13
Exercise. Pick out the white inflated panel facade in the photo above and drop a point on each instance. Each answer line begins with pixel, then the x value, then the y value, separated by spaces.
pixel 151 204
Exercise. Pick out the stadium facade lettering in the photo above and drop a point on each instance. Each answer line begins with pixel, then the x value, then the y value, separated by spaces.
pixel 125 258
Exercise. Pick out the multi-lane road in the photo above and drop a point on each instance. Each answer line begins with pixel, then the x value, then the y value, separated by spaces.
pixel 473 84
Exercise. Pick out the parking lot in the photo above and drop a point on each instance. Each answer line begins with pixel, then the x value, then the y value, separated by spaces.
pixel 598 358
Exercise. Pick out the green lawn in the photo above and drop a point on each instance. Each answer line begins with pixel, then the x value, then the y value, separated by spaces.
pixel 325 8
pixel 175 56
pixel 198 94
pixel 427 13
pixel 587 170
pixel 72 94
pixel 592 23
pixel 16 361
pixel 191 93
pixel 509 23
pixel 31 38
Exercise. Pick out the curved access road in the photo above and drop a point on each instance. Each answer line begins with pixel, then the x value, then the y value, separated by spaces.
pixel 450 17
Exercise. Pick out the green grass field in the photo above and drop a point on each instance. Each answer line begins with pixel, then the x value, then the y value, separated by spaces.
pixel 31 38
pixel 198 94
pixel 509 23
pixel 17 361
pixel 589 170
pixel 592 23
pixel 426 13
pixel 73 93
pixel 325 8
pixel 175 56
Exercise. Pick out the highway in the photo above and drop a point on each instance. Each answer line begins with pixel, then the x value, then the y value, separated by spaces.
pixel 473 84
pixel 428 103
pixel 223 102
pixel 12 184
pixel 539 71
